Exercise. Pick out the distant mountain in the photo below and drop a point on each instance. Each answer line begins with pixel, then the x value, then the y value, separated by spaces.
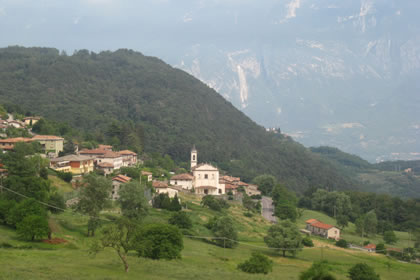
pixel 337 73
pixel 167 109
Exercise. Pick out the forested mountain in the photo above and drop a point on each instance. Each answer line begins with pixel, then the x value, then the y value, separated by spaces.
pixel 157 107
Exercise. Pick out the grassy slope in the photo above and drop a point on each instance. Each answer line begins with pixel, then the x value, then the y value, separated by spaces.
pixel 200 260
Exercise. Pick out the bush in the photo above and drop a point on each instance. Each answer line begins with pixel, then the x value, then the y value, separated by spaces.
pixel 159 241
pixel 362 271
pixel 248 214
pixel 342 243
pixel 258 263
pixel 380 248
pixel 33 227
pixel 318 271
pixel 307 241
pixel 213 203
pixel 181 220
pixel 65 176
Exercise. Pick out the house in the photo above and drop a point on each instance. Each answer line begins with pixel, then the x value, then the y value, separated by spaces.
pixel 51 144
pixel 117 181
pixel 148 174
pixel 129 157
pixel 106 167
pixel 111 157
pixel 105 147
pixel 162 187
pixel 252 190
pixel 370 247
pixel 9 143
pixel 324 230
pixel 185 181
pixel 93 152
pixel 231 188
pixel 31 120
pixel 78 164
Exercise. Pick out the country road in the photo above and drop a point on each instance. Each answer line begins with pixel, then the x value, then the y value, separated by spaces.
pixel 268 209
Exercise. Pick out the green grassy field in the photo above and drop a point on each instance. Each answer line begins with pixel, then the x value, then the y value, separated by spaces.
pixel 200 260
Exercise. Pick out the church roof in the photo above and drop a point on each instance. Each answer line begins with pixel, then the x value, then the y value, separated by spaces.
pixel 184 176
pixel 205 167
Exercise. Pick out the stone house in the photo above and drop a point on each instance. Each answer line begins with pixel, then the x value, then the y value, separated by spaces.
pixel 51 144
pixel 321 229
pixel 185 181
pixel 117 181
pixel 129 157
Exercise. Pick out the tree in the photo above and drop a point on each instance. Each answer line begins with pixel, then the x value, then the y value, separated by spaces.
pixel 113 236
pixel 342 243
pixel 181 220
pixel 307 241
pixel 318 271
pixel 23 209
pixel 390 237
pixel 284 202
pixel 56 200
pixel 362 271
pixel 93 198
pixel 265 183
pixel 159 241
pixel 371 222
pixel 175 205
pixel 225 232
pixel 284 236
pixel 342 221
pixel 380 248
pixel 33 227
pixel 132 200
pixel 258 263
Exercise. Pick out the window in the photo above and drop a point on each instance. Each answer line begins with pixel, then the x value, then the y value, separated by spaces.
pixel 176 182
pixel 206 191
pixel 206 176
pixel 193 157
pixel 220 190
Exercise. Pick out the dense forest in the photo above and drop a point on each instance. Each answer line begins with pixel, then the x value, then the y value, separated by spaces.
pixel 129 100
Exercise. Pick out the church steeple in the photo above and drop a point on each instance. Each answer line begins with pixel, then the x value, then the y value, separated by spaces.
pixel 193 157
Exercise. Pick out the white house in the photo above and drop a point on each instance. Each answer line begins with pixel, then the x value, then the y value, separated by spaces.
pixel 185 181
pixel 162 187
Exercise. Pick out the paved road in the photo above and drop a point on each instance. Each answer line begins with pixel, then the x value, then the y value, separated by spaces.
pixel 268 209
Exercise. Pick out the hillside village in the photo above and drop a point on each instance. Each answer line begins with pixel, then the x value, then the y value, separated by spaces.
pixel 180 190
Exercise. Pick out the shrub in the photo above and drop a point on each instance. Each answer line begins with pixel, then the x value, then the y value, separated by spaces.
pixel 65 176
pixel 307 241
pixel 318 271
pixel 159 241
pixel 362 271
pixel 214 203
pixel 380 248
pixel 181 220
pixel 342 243
pixel 33 227
pixel 258 263
pixel 248 214
pixel 175 205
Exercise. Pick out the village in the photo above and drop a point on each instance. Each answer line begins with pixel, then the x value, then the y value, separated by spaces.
pixel 203 178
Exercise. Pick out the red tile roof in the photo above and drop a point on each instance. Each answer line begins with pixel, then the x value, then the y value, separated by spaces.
pixel 310 221
pixel 321 225
pixel 159 184
pixel 184 176
pixel 47 137
pixel 370 246
pixel 93 151
pixel 15 140
pixel 110 154
pixel 230 187
pixel 105 165
pixel 121 178
pixel 127 152
pixel 145 173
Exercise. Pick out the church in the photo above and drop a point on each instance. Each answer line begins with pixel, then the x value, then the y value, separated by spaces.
pixel 204 178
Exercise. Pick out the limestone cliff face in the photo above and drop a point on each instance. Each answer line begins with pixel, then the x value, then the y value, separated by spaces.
pixel 311 67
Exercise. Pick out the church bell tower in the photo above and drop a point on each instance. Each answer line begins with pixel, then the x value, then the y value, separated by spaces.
pixel 193 157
